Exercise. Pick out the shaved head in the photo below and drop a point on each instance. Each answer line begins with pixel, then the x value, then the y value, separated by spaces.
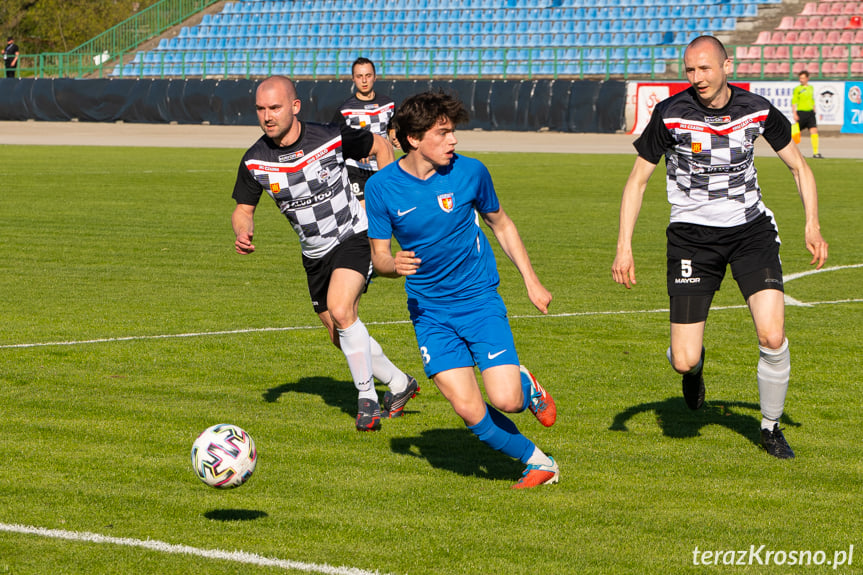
pixel 280 83
pixel 277 106
pixel 709 42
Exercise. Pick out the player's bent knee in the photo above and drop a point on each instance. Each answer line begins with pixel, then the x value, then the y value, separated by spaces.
pixel 773 340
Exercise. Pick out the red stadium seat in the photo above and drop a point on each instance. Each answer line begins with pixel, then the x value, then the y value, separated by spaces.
pixel 847 37
pixel 855 22
pixel 858 37
pixel 787 23
pixel 839 52
pixel 782 53
pixel 818 37
pixel 763 37
pixel 812 23
pixel 836 8
pixel 810 9
pixel 771 69
pixel 857 68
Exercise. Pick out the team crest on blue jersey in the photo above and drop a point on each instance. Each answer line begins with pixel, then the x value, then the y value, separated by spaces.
pixel 446 202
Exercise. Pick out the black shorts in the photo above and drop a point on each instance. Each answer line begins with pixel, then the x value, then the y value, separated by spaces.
pixel 358 178
pixel 699 255
pixel 354 254
pixel 806 119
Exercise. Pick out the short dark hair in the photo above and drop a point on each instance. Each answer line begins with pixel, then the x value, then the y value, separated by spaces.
pixel 803 73
pixel 419 114
pixel 360 61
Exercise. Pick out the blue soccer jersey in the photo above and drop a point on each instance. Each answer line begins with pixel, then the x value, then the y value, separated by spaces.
pixel 437 219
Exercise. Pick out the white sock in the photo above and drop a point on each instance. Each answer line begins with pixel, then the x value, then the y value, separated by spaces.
pixel 768 423
pixel 356 346
pixel 774 371
pixel 385 371
pixel 539 458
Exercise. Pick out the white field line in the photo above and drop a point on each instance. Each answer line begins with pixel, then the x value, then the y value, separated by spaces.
pixel 162 547
pixel 788 300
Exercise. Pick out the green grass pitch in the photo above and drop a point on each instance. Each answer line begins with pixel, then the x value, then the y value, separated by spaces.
pixel 129 325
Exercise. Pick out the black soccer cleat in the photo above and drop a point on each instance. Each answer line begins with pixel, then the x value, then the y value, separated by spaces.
pixel 693 387
pixel 774 443
pixel 368 415
pixel 394 403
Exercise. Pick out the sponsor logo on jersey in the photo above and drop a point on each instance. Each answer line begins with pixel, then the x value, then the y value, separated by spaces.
pixel 324 176
pixel 446 202
pixel 717 119
pixel 309 200
pixel 292 156
pixel 687 280
pixel 275 188
pixel 696 147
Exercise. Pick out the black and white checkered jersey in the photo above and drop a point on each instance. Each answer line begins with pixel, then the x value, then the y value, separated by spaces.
pixel 373 115
pixel 309 182
pixel 710 174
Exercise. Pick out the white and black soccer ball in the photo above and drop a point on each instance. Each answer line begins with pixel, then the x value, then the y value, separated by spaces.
pixel 224 456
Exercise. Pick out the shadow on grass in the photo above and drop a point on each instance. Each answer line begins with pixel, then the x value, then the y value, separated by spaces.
pixel 678 421
pixel 459 451
pixel 340 394
pixel 234 514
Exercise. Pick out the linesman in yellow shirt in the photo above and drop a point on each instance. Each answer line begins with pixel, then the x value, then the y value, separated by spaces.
pixel 803 109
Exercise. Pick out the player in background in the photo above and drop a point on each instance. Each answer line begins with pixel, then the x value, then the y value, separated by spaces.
pixel 803 109
pixel 300 165
pixel 707 134
pixel 365 110
pixel 431 201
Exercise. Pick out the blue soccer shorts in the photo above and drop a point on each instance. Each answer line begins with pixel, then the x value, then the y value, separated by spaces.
pixel 463 335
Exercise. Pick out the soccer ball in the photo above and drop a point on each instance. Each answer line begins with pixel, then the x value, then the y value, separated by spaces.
pixel 224 456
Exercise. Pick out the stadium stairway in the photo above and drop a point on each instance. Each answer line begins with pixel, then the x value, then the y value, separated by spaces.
pixel 450 38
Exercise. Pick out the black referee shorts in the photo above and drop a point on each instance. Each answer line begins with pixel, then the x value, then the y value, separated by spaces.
pixel 355 253
pixel 806 119
pixel 699 255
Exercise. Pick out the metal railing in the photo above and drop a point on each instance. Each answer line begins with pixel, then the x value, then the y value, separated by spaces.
pixel 654 63
pixel 100 52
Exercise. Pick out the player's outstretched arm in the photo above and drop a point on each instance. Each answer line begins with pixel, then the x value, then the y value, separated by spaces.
pixel 623 268
pixel 510 241
pixel 382 150
pixel 807 189
pixel 404 263
pixel 243 222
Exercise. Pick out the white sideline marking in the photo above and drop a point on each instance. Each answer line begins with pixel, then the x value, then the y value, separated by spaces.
pixel 161 546
pixel 788 301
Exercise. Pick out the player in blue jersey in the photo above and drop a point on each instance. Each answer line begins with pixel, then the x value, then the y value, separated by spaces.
pixel 429 202
pixel 707 135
